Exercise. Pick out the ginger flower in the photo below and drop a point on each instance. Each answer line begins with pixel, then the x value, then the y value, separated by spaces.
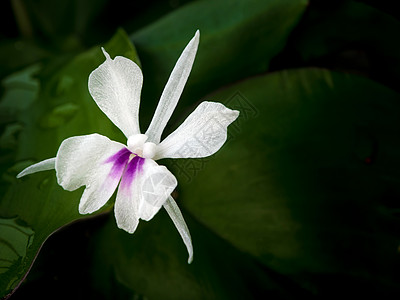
pixel 103 165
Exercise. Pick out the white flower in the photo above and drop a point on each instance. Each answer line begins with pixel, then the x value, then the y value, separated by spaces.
pixel 100 164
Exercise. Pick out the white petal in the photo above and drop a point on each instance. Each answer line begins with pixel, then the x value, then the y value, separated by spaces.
pixel 115 86
pixel 202 134
pixel 94 161
pixel 157 184
pixel 173 90
pixel 126 208
pixel 47 164
pixel 175 214
pixel 144 188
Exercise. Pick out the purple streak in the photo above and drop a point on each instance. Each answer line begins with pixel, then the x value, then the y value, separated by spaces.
pixel 119 161
pixel 134 167
pixel 121 154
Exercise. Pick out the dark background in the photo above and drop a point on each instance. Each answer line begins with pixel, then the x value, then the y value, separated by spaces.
pixel 350 246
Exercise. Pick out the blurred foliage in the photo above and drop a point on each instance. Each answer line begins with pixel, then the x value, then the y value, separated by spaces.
pixel 302 201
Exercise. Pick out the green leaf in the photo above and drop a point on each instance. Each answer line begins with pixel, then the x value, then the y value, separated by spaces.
pixel 308 183
pixel 15 239
pixel 300 197
pixel 237 39
pixel 48 110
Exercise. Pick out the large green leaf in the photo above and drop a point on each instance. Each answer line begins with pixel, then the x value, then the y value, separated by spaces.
pixel 37 114
pixel 300 201
pixel 309 182
pixel 238 38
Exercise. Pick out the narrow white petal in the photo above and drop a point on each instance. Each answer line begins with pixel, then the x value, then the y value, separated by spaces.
pixel 173 90
pixel 144 188
pixel 115 87
pixel 47 164
pixel 94 161
pixel 202 134
pixel 175 214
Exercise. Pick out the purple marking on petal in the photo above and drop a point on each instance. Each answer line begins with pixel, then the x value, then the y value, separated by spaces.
pixel 135 166
pixel 119 160
pixel 120 154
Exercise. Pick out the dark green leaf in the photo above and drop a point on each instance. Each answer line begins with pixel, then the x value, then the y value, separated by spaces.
pixel 306 185
pixel 309 181
pixel 19 53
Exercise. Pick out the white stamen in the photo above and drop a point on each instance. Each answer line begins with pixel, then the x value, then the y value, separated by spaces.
pixel 149 150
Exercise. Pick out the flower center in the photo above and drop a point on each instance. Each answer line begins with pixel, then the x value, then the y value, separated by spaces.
pixel 137 144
